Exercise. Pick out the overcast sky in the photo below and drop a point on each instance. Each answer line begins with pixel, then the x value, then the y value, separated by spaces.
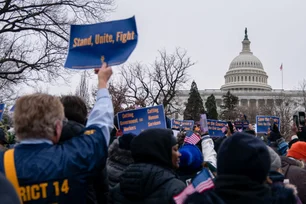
pixel 212 32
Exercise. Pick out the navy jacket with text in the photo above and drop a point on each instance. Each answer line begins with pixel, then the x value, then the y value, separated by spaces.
pixel 58 173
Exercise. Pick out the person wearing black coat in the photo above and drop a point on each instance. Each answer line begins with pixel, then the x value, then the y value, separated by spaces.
pixel 240 177
pixel 119 158
pixel 151 179
pixel 76 113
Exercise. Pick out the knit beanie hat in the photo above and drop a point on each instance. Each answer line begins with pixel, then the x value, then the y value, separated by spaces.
pixel 298 151
pixel 244 154
pixel 274 136
pixel 191 158
pixel 125 141
pixel 154 146
pixel 275 160
pixel 282 146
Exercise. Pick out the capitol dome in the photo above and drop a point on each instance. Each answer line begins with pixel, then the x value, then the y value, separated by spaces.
pixel 246 72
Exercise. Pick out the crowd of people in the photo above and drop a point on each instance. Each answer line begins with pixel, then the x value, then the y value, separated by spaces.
pixel 63 156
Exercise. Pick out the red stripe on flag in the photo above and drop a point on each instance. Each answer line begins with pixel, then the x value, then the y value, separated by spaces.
pixel 180 198
pixel 205 186
pixel 193 139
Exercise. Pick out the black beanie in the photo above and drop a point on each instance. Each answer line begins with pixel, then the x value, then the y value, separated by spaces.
pixel 244 154
pixel 125 141
pixel 154 146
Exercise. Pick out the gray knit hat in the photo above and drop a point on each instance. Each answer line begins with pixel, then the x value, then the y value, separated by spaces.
pixel 275 160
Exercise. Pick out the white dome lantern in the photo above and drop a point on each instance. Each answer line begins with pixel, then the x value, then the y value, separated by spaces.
pixel 246 72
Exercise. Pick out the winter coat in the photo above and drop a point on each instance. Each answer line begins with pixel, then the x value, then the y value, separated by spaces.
pixel 208 151
pixel 151 179
pixel 282 193
pixel 146 184
pixel 97 189
pixel 118 160
pixel 296 176
pixel 233 190
pixel 186 178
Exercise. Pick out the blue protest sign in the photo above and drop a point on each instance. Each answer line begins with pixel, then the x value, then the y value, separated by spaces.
pixel 135 121
pixel 241 124
pixel 215 127
pixel 2 106
pixel 263 123
pixel 111 42
pixel 186 125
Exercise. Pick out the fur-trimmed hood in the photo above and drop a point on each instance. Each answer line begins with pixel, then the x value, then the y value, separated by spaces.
pixel 118 155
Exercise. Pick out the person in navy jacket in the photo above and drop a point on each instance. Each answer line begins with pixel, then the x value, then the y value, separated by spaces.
pixel 49 173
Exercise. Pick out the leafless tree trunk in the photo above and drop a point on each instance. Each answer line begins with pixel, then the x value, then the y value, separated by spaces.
pixel 158 83
pixel 117 91
pixel 83 89
pixel 284 108
pixel 302 87
pixel 251 112
pixel 136 78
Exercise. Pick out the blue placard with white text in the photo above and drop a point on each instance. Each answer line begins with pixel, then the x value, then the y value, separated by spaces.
pixel 241 124
pixel 135 121
pixel 111 42
pixel 186 125
pixel 2 106
pixel 215 127
pixel 263 123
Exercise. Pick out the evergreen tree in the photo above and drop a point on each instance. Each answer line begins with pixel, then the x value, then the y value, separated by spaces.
pixel 194 106
pixel 229 106
pixel 211 107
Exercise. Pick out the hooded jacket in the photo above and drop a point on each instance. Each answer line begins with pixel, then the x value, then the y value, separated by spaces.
pixel 150 179
pixel 118 160
pixel 240 176
pixel 281 193
pixel 232 189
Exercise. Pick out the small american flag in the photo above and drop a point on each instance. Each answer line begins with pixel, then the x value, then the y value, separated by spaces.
pixel 192 139
pixel 281 67
pixel 200 183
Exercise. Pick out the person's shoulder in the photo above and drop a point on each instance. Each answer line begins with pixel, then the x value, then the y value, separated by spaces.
pixel 7 191
pixel 174 186
pixel 92 129
pixel 207 197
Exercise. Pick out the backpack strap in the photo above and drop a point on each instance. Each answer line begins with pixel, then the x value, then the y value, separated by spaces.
pixel 10 170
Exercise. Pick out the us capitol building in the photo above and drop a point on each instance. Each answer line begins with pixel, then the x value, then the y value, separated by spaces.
pixel 245 78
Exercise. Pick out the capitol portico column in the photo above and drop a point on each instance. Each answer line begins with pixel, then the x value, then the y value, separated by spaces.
pixel 248 102
pixel 266 102
pixel 257 103
pixel 239 102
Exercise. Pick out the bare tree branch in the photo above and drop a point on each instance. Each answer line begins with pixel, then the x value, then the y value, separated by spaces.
pixel 158 83
pixel 34 36
pixel 302 87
